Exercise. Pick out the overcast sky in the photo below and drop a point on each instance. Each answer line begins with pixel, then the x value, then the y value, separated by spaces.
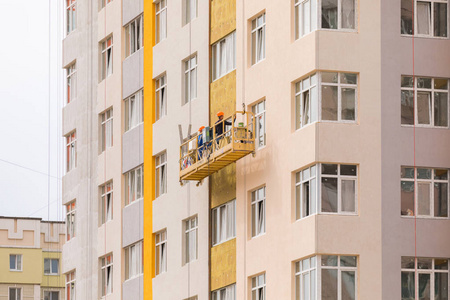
pixel 24 108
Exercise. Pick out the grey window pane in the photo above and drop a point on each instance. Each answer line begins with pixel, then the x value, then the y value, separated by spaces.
pixel 297 287
pixel 348 170
pixel 441 264
pixel 331 77
pixel 329 14
pixel 306 200
pixel 441 286
pixel 424 263
pixel 408 286
pixel 329 103
pixel 424 287
pixel 407 81
pixel 424 82
pixel 298 112
pixel 440 83
pixel 424 173
pixel 407 17
pixel 12 262
pixel 423 17
pixel 348 261
pixel 330 169
pixel 348 285
pixel 348 78
pixel 407 198
pixel 348 99
pixel 408 263
pixel 12 294
pixel 407 106
pixel 348 14
pixel 440 109
pixel 329 260
pixel 440 174
pixel 440 199
pixel 329 194
pixel 297 202
pixel 407 172
pixel 440 19
pixel 329 284
pixel 423 107
pixel 424 190
pixel 348 190
pixel 46 266
pixel 55 266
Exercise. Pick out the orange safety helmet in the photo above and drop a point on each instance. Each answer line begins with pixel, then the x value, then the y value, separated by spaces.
pixel 220 113
pixel 201 128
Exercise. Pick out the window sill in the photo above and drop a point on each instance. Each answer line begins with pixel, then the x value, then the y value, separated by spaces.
pixel 339 30
pixel 15 270
pixel 424 217
pixel 349 214
pixel 133 202
pixel 224 241
pixel 51 274
pixel 423 126
pixel 258 62
pixel 424 36
pixel 134 277
pixel 223 75
pixel 257 236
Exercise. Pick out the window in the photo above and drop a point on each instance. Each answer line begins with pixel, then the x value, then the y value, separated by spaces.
pixel 106 59
pixel 161 97
pixel 106 129
pixel 259 287
pixel 190 79
pixel 190 236
pixel 258 208
pixel 305 192
pixel 161 174
pixel 226 293
pixel 424 278
pixel 305 15
pixel 133 261
pixel 430 17
pixel 133 36
pixel 106 273
pixel 51 266
pixel 259 111
pixel 224 56
pixel 15 293
pixel 70 286
pixel 70 220
pixel 133 185
pixel 15 262
pixel 338 277
pixel 51 295
pixel 338 14
pixel 71 15
pixel 190 10
pixel 71 83
pixel 161 20
pixel 429 186
pixel 426 104
pixel 71 151
pixel 338 188
pixel 306 97
pixel 161 252
pixel 224 222
pixel 106 203
pixel 104 2
pixel 134 110
pixel 305 279
pixel 258 38
pixel 338 96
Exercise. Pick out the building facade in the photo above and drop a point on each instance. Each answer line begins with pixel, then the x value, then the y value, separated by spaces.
pixel 30 259
pixel 328 179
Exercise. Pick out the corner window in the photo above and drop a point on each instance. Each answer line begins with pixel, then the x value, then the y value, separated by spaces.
pixel 191 239
pixel 258 38
pixel 71 15
pixel 305 14
pixel 430 187
pixel 190 11
pixel 305 192
pixel 134 110
pixel 226 293
pixel 71 83
pixel 15 262
pixel 106 58
pixel 51 295
pixel 71 151
pixel 161 252
pixel 106 275
pixel 259 287
pixel 70 220
pixel 161 174
pixel 106 203
pixel 338 14
pixel 430 18
pixel 306 101
pixel 133 260
pixel 134 185
pixel 224 56
pixel 161 97
pixel 259 112
pixel 258 208
pixel 15 293
pixel 223 221
pixel 424 101
pixel 161 20
pixel 133 36
pixel 70 285
pixel 106 129
pixel 190 79
pixel 51 266
pixel 306 279
pixel 338 277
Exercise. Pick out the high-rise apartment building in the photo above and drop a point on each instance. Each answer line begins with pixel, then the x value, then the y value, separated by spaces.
pixel 318 170
pixel 30 259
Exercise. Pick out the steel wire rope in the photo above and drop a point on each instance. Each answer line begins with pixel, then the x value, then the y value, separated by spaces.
pixel 188 188
pixel 104 187
pixel 49 128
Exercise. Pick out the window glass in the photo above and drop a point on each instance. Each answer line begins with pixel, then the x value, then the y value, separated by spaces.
pixel 330 14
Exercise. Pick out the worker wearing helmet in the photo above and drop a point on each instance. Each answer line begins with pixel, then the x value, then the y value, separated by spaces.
pixel 221 125
pixel 200 143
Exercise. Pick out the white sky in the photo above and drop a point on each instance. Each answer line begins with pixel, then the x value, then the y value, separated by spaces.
pixel 24 104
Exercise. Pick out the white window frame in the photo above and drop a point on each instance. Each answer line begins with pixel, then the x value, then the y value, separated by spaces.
pixel 161 252
pixel 71 83
pixel 71 285
pixel 134 36
pixel 106 202
pixel 160 174
pixel 259 288
pixel 225 293
pixel 71 151
pixel 301 18
pixel 416 89
pixel 258 220
pixel 50 261
pixel 190 79
pixel 431 21
pixel 223 56
pixel 191 238
pixel 103 3
pixel 134 188
pixel 258 32
pixel 160 20
pixel 106 275
pixel 189 14
pixel 18 295
pixel 106 129
pixel 70 220
pixel 106 65
pixel 259 111
pixel 339 17
pixel 18 263
pixel 134 110
pixel 223 223
pixel 305 271
pixel 302 178
pixel 339 269
pixel 133 261
pixel 432 181
pixel 71 16
pixel 308 86
pixel 161 97
pixel 49 295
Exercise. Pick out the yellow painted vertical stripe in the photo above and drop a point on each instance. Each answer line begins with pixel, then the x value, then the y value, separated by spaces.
pixel 149 174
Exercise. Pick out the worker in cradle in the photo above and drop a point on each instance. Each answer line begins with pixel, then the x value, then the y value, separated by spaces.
pixel 220 126
pixel 200 142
